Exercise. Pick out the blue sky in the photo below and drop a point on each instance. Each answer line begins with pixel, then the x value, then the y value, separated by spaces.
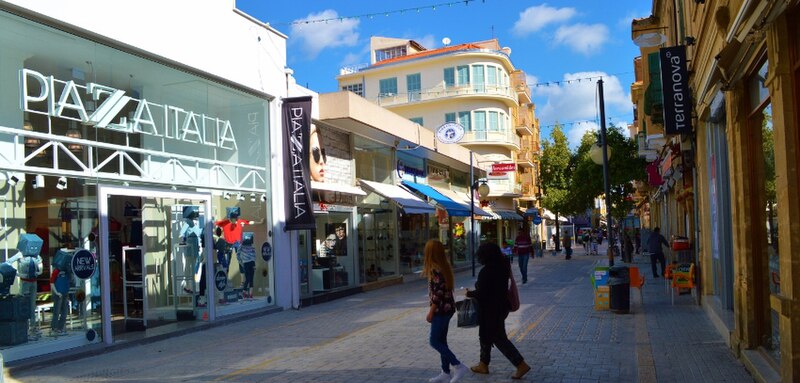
pixel 556 41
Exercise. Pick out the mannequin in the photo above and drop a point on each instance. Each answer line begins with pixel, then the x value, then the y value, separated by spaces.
pixel 232 231
pixel 191 234
pixel 247 262
pixel 60 282
pixel 29 266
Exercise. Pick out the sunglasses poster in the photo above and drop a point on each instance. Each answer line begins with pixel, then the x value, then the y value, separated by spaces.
pixel 329 164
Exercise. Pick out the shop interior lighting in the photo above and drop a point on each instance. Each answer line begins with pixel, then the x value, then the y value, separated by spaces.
pixel 62 183
pixel 226 195
pixel 73 132
pixel 13 180
pixel 30 142
pixel 239 197
pixel 253 197
pixel 38 181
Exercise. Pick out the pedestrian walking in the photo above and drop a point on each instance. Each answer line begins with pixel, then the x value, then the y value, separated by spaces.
pixel 656 251
pixel 567 242
pixel 441 280
pixel 594 243
pixel 638 241
pixel 491 292
pixel 523 246
pixel 627 245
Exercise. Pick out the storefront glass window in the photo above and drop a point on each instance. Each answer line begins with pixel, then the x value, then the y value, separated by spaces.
pixel 761 121
pixel 126 121
pixel 332 260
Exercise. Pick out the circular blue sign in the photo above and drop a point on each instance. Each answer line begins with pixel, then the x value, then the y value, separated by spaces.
pixel 537 220
pixel 266 251
pixel 220 280
pixel 83 264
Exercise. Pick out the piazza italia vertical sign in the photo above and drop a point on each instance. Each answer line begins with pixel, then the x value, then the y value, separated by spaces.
pixel 675 90
pixel 297 127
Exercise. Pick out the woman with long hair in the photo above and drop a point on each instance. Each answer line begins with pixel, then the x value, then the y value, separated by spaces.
pixel 491 292
pixel 442 307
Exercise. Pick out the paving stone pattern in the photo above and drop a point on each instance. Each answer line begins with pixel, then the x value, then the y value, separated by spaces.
pixel 381 336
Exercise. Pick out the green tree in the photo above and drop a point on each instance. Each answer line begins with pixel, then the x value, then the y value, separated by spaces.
pixel 624 166
pixel 555 174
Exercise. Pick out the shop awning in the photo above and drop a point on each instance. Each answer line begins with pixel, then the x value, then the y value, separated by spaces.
pixel 549 215
pixel 453 208
pixel 340 188
pixel 407 201
pixel 502 214
pixel 531 212
pixel 463 199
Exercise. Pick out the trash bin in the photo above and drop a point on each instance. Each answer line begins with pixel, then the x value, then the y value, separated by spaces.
pixel 619 282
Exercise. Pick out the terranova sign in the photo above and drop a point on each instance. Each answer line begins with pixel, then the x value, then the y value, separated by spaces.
pixel 159 120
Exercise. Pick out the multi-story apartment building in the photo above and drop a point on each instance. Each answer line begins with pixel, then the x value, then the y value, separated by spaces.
pixel 476 85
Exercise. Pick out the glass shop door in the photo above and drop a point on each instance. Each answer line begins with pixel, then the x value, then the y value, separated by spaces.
pixel 154 246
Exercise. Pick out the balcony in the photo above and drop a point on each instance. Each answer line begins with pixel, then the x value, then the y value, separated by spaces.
pixel 507 139
pixel 523 121
pixel 525 159
pixel 520 84
pixel 440 92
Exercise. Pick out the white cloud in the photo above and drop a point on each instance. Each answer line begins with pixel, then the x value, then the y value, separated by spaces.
pixel 575 99
pixel 537 17
pixel 582 38
pixel 427 41
pixel 576 131
pixel 531 80
pixel 316 37
pixel 351 59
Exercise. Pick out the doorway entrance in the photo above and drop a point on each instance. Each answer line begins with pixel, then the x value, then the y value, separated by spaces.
pixel 154 258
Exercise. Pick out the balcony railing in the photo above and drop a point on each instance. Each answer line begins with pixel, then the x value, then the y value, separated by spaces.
pixel 442 92
pixel 493 136
pixel 525 158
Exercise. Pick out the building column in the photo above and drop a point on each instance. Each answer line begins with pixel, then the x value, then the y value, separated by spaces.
pixel 745 335
pixel 787 184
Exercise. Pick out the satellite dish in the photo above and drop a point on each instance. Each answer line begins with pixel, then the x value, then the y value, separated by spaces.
pixel 507 50
pixel 652 39
pixel 446 41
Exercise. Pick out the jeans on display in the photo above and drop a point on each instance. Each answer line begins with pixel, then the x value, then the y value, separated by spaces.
pixel 60 311
pixel 438 340
pixel 28 290
pixel 657 257
pixel 249 272
pixel 523 265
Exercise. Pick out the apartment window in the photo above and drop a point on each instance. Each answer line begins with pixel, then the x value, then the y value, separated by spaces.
pixel 414 85
pixel 464 120
pixel 385 54
pixel 388 87
pixel 493 121
pixel 478 79
pixel 480 126
pixel 417 120
pixel 449 77
pixel 463 75
pixel 355 88
pixel 491 75
pixel 449 117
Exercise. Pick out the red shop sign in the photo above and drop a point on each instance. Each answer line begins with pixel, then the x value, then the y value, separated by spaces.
pixel 504 168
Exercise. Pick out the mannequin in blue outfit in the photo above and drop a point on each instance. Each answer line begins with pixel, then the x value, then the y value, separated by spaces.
pixel 29 266
pixel 190 234
pixel 60 282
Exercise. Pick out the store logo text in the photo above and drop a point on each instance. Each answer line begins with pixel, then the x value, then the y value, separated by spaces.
pixel 149 118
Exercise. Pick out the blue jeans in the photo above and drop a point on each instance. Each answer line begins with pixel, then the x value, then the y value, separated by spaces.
pixel 60 311
pixel 523 265
pixel 439 327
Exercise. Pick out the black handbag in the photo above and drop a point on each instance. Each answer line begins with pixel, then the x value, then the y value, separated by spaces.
pixel 467 313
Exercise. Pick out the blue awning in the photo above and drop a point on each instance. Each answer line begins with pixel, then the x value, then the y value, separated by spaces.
pixel 453 208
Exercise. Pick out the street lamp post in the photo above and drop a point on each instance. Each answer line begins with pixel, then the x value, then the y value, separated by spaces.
pixel 483 190
pixel 598 159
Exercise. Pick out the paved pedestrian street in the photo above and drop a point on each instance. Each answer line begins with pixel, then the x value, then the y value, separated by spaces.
pixel 382 336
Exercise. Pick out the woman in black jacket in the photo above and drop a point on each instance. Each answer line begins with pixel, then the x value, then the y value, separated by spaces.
pixel 491 292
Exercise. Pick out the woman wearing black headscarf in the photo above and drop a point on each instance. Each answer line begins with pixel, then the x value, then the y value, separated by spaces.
pixel 491 292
